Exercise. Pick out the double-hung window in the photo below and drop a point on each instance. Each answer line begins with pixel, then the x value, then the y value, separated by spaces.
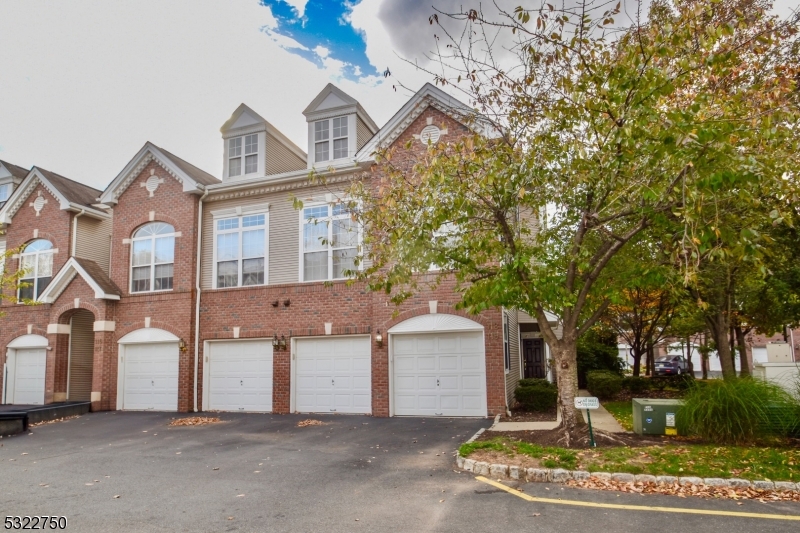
pixel 241 250
pixel 153 257
pixel 36 260
pixel 243 155
pixel 330 138
pixel 329 242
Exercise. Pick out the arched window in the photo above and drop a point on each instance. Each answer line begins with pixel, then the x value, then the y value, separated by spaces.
pixel 36 260
pixel 152 257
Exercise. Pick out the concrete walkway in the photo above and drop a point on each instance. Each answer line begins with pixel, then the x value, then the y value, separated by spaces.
pixel 601 419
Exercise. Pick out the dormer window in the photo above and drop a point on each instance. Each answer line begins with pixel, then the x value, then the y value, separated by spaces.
pixel 330 131
pixel 5 192
pixel 243 157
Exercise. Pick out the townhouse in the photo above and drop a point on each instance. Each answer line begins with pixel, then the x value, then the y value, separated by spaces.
pixel 175 290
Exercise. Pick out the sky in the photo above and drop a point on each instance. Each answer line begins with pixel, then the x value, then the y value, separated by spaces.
pixel 85 83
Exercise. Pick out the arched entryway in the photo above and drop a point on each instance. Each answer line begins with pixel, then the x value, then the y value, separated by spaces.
pixel 25 370
pixel 438 367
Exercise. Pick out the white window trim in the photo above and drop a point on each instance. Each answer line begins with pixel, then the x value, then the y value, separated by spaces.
pixel 360 237
pixel 35 278
pixel 10 185
pixel 260 153
pixel 351 125
pixel 174 235
pixel 234 212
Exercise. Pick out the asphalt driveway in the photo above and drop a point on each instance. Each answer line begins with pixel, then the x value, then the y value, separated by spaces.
pixel 263 473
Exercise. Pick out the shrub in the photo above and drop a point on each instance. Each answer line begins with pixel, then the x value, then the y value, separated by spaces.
pixel 659 383
pixel 683 382
pixel 603 384
pixel 536 394
pixel 739 411
pixel 635 384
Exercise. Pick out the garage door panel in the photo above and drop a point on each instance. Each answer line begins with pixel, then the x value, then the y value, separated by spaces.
pixel 29 380
pixel 241 376
pixel 441 374
pixel 150 375
pixel 338 380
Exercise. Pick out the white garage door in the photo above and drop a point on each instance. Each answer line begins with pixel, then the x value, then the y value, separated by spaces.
pixel 240 376
pixel 29 369
pixel 439 374
pixel 333 375
pixel 151 376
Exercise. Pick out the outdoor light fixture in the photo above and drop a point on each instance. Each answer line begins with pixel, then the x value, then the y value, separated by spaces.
pixel 283 343
pixel 182 345
pixel 275 342
pixel 379 339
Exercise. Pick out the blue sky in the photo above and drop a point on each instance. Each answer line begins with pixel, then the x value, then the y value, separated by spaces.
pixel 321 30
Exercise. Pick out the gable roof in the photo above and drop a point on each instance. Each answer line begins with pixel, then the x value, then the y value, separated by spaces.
pixel 17 172
pixel 258 120
pixel 428 95
pixel 336 101
pixel 192 178
pixel 71 195
pixel 91 273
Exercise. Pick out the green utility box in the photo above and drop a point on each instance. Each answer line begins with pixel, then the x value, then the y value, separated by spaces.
pixel 655 417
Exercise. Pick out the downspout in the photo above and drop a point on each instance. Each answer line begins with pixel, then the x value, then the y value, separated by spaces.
pixel 197 296
pixel 75 231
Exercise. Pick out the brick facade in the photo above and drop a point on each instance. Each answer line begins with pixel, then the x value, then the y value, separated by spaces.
pixel 351 309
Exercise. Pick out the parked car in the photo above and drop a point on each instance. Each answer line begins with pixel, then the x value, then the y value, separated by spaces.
pixel 671 365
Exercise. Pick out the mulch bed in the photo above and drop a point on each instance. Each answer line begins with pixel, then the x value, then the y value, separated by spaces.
pixel 554 437
pixel 518 415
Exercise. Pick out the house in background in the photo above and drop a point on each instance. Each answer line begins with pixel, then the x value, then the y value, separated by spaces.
pixel 174 290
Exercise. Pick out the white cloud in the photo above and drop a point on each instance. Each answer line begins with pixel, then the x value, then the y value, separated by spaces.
pixel 299 6
pixel 85 84
pixel 321 51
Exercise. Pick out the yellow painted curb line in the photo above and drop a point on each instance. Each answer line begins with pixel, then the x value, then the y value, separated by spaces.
pixel 635 507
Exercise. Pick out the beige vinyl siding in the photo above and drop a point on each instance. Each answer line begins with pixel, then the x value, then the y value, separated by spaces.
pixel 81 356
pixel 362 133
pixel 513 344
pixel 281 159
pixel 93 241
pixel 284 232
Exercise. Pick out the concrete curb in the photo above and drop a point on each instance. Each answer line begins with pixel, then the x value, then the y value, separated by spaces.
pixel 558 475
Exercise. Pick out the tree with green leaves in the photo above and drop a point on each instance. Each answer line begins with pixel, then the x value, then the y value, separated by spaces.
pixel 605 132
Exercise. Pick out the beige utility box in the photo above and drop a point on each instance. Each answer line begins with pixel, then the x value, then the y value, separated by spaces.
pixel 779 352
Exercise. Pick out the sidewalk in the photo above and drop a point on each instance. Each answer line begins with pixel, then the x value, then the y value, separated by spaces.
pixel 601 419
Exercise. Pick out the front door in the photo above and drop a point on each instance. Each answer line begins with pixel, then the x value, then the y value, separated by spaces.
pixel 533 358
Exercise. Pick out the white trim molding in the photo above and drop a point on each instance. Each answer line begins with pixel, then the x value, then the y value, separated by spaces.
pixel 437 323
pixel 148 335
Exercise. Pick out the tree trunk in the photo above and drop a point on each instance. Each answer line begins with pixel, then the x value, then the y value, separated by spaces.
pixel 689 351
pixel 565 355
pixel 742 345
pixel 720 326
pixel 732 338
pixel 637 360
pixel 651 360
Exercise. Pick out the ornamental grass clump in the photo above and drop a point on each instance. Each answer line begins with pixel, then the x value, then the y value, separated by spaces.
pixel 739 411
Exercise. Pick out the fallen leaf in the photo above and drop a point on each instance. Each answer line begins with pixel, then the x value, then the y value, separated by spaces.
pixel 177 453
pixel 230 518
pixel 440 501
pixel 537 514
pixel 217 468
pixel 240 495
pixel 116 496
pixel 256 471
pixel 88 484
pixel 24 453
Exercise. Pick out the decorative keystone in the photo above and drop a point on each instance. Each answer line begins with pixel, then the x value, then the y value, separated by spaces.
pixel 736 483
pixel 690 480
pixel 763 485
pixel 538 474
pixel 623 478
pixel 666 480
pixel 645 478
pixel 559 475
pixel 498 470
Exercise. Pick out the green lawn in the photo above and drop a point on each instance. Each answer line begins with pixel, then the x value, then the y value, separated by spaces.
pixel 778 464
pixel 622 411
